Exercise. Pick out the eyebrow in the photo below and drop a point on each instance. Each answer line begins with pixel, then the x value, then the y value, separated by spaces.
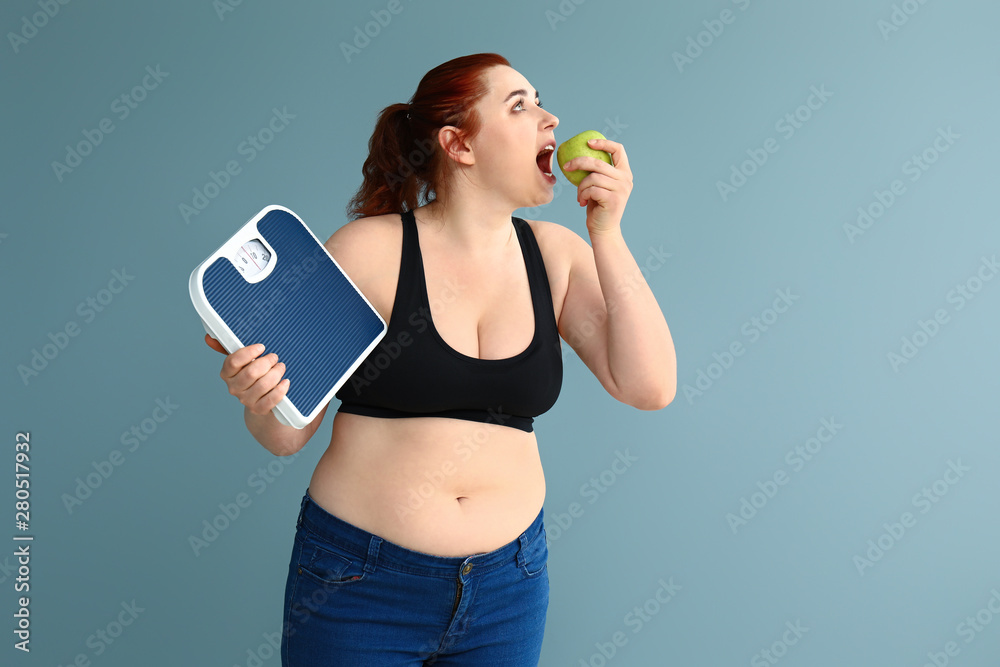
pixel 520 91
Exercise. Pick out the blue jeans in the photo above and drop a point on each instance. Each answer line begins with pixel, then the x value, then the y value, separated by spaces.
pixel 355 599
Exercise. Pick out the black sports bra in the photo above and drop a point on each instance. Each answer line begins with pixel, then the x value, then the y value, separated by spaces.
pixel 413 372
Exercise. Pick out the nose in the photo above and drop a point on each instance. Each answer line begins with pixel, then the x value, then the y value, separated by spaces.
pixel 551 120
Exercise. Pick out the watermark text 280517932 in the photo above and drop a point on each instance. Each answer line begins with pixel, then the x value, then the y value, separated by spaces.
pixel 23 553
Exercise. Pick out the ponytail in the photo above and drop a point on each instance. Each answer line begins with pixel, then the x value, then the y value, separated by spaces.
pixel 405 163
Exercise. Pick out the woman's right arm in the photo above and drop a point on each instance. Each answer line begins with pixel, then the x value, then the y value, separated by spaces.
pixel 277 438
pixel 257 382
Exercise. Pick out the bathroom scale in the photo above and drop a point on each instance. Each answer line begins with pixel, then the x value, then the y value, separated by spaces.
pixel 273 282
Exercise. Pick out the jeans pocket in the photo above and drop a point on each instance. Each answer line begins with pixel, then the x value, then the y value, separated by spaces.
pixel 328 564
pixel 536 556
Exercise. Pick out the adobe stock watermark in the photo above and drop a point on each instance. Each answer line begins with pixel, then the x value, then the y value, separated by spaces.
pixel 223 7
pixel 968 630
pixel 558 524
pixel 779 647
pixel 464 448
pixel 88 309
pixel 249 148
pixel 388 350
pixel 259 480
pixel 38 20
pixel 284 281
pixel 961 294
pixel 924 500
pixel 796 458
pixel 302 608
pixel 636 619
pixel 787 126
pixel 409 162
pixel 697 44
pixel 612 130
pixel 363 35
pixel 132 438
pixel 123 106
pixel 7 570
pixel 752 329
pixel 915 167
pixel 105 636
pixel 654 260
pixel 267 649
pixel 899 17
pixel 562 12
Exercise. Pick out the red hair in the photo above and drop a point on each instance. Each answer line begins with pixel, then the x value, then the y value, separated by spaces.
pixel 405 161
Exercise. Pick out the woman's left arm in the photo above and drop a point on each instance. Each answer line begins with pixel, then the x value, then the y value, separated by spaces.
pixel 638 351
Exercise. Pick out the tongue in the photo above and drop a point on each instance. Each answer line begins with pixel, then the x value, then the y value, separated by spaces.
pixel 542 160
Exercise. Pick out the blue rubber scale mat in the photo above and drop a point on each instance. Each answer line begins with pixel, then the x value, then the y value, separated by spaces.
pixel 273 282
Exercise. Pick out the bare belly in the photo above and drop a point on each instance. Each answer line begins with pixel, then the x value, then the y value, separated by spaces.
pixel 448 487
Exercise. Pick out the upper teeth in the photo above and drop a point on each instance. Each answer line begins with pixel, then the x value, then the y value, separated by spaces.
pixel 551 147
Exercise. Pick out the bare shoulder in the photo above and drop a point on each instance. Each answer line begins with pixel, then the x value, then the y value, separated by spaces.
pixel 356 243
pixel 561 249
pixel 559 244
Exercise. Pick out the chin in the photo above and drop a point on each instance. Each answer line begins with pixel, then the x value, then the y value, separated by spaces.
pixel 534 195
pixel 536 202
pixel 544 196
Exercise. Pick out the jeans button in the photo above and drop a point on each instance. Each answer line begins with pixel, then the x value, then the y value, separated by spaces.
pixel 468 566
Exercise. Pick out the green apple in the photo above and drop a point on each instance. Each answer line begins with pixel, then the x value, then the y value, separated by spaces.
pixel 575 147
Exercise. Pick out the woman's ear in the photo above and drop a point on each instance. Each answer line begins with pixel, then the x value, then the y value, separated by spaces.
pixel 455 146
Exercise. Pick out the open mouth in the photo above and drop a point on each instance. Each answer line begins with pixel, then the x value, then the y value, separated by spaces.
pixel 544 161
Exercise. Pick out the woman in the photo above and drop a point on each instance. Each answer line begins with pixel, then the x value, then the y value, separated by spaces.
pixel 420 538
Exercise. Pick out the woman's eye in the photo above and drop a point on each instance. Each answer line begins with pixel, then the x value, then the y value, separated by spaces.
pixel 520 103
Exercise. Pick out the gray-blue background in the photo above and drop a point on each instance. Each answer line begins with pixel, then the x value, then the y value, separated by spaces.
pixel 684 128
